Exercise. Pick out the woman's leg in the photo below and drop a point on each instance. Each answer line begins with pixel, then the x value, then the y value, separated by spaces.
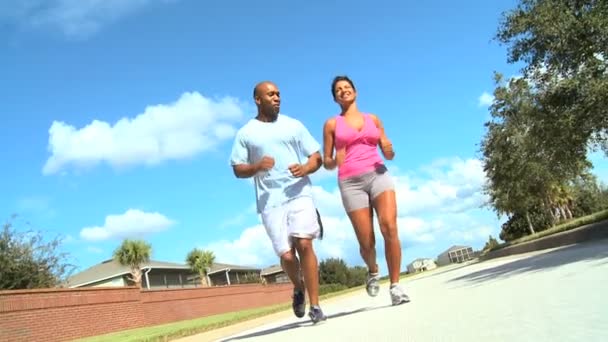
pixel 386 209
pixel 362 221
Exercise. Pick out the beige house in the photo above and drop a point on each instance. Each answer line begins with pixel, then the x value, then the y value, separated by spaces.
pixel 274 275
pixel 161 275
pixel 456 254
pixel 421 265
pixel 226 274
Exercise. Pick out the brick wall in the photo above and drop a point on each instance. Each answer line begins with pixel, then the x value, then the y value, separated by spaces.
pixel 163 306
pixel 65 314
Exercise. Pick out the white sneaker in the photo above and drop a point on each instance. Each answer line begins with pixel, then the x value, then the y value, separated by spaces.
pixel 398 295
pixel 373 284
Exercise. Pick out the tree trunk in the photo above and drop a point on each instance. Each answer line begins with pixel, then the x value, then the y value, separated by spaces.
pixel 563 212
pixel 204 282
pixel 529 223
pixel 136 276
pixel 568 211
pixel 551 214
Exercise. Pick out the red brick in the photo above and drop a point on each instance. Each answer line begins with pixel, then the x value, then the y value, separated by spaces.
pixel 64 314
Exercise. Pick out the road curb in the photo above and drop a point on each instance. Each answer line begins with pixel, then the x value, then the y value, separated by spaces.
pixel 590 232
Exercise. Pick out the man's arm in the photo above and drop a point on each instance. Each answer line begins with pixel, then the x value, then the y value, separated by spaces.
pixel 250 170
pixel 240 161
pixel 310 147
pixel 311 166
pixel 245 170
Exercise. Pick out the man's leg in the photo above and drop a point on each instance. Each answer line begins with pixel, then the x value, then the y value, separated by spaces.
pixel 291 266
pixel 275 223
pixel 304 227
pixel 310 269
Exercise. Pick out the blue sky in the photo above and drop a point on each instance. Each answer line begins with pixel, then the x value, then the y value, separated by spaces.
pixel 118 116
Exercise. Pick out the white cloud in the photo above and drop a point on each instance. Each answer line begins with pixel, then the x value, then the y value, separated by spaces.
pixel 486 99
pixel 182 129
pixel 133 223
pixel 251 248
pixel 435 207
pixel 74 18
pixel 449 185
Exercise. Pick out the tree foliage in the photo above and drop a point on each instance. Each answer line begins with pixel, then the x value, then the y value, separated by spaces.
pixel 133 253
pixel 336 271
pixel 564 47
pixel 545 122
pixel 200 261
pixel 28 261
pixel 490 244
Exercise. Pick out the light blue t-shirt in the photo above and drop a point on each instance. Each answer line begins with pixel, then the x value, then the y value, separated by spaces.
pixel 288 142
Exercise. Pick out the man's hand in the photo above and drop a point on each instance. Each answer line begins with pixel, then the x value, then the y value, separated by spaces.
pixel 265 164
pixel 298 170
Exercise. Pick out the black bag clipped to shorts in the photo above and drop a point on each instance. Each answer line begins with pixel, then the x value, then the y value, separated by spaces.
pixel 320 224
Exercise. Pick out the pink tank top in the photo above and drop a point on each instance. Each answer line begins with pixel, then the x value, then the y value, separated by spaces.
pixel 361 147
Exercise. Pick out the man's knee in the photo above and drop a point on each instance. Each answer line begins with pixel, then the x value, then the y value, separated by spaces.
pixel 288 257
pixel 303 245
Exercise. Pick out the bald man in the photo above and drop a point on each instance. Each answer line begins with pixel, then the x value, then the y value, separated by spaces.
pixel 279 153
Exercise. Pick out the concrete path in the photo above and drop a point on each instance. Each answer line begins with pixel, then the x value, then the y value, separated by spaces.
pixel 554 295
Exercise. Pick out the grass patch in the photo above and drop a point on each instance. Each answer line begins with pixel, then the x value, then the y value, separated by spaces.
pixel 562 227
pixel 169 331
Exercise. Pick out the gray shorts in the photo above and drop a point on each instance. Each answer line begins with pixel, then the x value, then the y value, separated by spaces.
pixel 358 191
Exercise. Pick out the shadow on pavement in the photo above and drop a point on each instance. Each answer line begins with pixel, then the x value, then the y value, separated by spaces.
pixel 596 250
pixel 301 324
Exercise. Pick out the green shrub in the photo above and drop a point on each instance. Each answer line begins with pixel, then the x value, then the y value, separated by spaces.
pixel 329 288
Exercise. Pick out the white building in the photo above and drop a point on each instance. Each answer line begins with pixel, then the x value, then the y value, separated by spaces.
pixel 421 265
pixel 455 254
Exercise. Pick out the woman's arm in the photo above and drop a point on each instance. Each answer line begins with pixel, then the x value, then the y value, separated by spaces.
pixel 329 128
pixel 386 146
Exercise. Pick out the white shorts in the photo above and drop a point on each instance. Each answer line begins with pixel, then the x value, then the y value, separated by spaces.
pixel 296 218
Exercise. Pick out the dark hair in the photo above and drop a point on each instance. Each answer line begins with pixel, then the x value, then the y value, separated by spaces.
pixel 338 79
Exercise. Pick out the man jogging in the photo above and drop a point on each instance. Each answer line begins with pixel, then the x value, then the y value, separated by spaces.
pixel 279 153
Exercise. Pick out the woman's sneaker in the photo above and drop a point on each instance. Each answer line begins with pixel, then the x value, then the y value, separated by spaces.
pixel 373 284
pixel 316 315
pixel 398 296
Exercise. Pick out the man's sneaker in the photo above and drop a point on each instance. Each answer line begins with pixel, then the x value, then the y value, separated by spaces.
pixel 398 296
pixel 316 314
pixel 373 285
pixel 299 303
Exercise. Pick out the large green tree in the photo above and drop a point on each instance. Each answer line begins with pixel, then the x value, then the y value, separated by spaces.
pixel 133 253
pixel 200 261
pixel 29 261
pixel 333 271
pixel 525 173
pixel 544 122
pixel 563 45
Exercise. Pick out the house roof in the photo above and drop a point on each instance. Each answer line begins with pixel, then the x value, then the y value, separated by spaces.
pixel 420 259
pixel 109 269
pixel 218 267
pixel 455 248
pixel 271 270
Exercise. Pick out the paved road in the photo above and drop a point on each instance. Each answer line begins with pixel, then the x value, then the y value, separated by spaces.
pixel 555 295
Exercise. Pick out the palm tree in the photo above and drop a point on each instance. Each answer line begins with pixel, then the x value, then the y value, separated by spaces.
pixel 200 261
pixel 133 253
